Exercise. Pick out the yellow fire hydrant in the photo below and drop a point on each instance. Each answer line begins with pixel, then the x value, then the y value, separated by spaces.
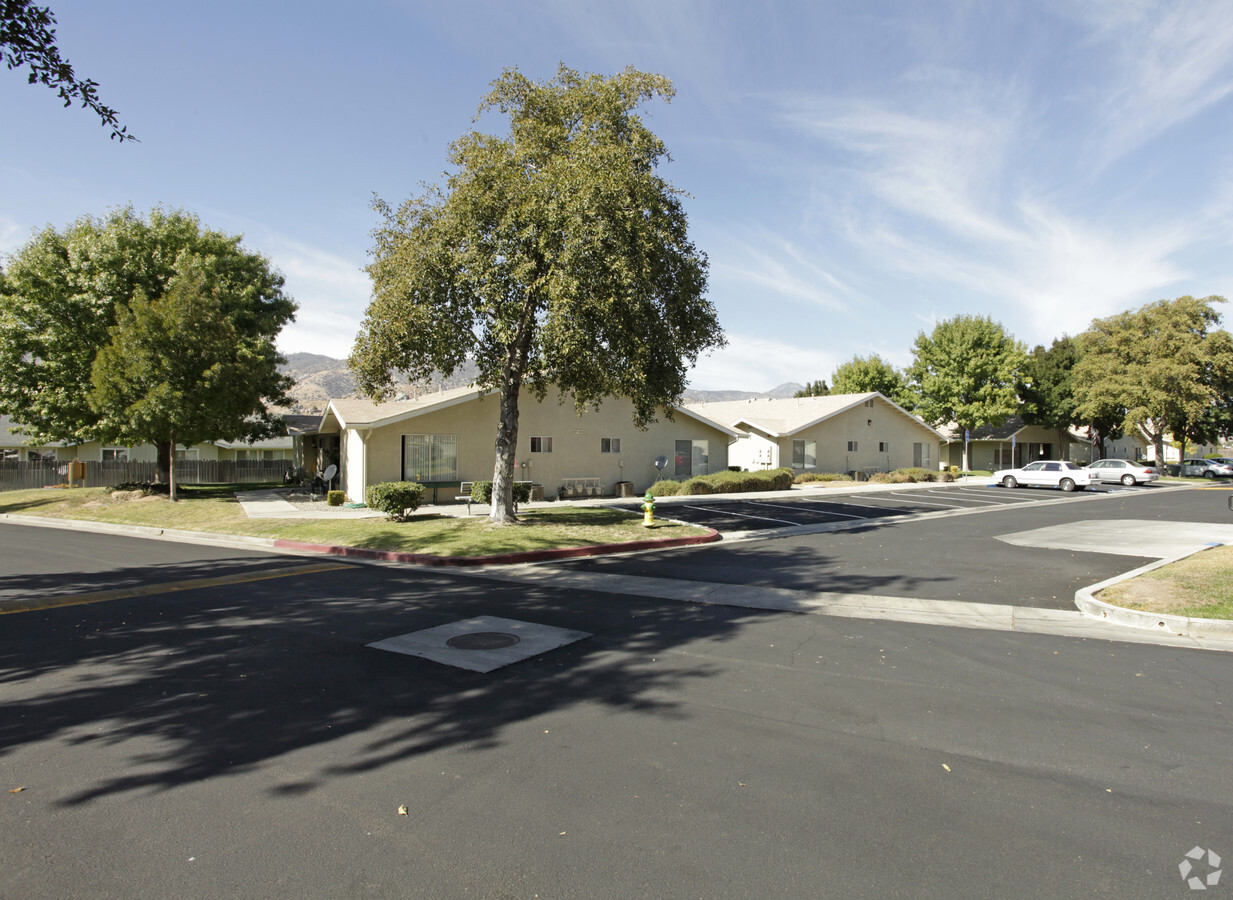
pixel 648 508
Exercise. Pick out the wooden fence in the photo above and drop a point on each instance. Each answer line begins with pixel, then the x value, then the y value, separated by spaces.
pixel 20 475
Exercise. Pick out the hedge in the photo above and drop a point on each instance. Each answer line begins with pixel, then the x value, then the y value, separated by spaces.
pixel 397 499
pixel 481 492
pixel 727 482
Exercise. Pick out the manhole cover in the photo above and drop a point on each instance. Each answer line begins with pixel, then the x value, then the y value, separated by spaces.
pixel 483 640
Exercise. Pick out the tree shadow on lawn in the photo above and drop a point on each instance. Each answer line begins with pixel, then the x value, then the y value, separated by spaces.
pixel 203 683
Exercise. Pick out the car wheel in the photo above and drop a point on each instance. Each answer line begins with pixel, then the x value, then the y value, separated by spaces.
pixel 1066 484
pixel 1129 480
pixel 1009 482
pixel 1209 474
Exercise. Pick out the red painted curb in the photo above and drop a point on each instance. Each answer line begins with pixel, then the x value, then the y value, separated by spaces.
pixel 423 559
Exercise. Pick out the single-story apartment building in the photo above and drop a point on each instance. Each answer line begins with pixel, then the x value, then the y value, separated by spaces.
pixel 846 433
pixel 449 437
pixel 14 446
pixel 1008 445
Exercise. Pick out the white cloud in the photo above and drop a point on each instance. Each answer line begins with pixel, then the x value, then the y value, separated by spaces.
pixel 1170 62
pixel 774 264
pixel 758 364
pixel 332 293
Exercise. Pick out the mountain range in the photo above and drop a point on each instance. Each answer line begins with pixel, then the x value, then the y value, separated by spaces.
pixel 319 379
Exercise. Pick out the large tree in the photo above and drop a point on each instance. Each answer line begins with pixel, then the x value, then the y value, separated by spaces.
pixel 151 384
pixel 1047 389
pixel 862 374
pixel 64 291
pixel 554 254
pixel 1166 365
pixel 965 372
pixel 28 38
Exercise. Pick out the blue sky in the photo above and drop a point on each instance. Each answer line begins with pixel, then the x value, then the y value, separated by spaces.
pixel 857 171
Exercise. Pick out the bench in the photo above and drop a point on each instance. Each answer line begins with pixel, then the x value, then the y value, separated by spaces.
pixel 464 493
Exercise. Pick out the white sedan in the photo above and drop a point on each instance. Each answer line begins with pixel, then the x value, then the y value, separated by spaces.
pixel 1045 473
pixel 1122 470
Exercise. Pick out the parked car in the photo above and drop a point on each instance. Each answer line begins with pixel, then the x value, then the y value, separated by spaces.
pixel 1122 470
pixel 1045 473
pixel 1207 468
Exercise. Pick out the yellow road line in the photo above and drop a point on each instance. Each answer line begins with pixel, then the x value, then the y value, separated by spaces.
pixel 146 590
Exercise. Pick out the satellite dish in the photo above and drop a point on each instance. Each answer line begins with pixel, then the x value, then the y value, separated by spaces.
pixel 659 463
pixel 330 471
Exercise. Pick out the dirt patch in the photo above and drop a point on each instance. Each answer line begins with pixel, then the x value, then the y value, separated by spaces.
pixel 1150 595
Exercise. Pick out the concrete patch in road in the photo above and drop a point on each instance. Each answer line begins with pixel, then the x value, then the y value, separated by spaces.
pixel 1126 537
pixel 481 644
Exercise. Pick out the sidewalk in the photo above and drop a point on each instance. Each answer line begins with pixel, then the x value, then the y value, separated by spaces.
pixel 272 504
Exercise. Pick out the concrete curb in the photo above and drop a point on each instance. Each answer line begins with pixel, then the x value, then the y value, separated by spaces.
pixel 1162 623
pixel 500 559
pixel 143 531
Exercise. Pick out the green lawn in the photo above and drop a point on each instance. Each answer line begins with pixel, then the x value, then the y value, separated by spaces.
pixel 213 508
pixel 1200 586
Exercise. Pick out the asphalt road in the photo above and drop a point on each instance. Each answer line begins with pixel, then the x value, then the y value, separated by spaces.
pixel 239 739
pixel 960 556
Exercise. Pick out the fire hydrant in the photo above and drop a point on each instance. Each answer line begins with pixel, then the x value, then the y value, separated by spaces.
pixel 648 508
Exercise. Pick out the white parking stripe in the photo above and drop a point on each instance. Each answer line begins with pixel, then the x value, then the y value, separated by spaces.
pixel 842 503
pixel 825 513
pixel 727 512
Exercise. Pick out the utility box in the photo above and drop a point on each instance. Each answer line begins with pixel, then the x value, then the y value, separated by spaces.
pixel 76 472
pixel 624 488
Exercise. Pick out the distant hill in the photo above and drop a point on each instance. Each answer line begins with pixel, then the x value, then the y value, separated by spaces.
pixel 319 379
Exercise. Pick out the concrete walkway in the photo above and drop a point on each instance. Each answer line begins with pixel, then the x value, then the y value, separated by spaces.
pixel 272 504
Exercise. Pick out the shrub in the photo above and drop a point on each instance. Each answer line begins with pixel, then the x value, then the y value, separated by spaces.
pixel 806 477
pixel 919 474
pixel 481 492
pixel 946 477
pixel 696 487
pixel 665 488
pixel 336 498
pixel 397 499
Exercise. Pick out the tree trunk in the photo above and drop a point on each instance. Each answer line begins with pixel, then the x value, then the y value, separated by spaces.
pixel 502 512
pixel 171 471
pixel 162 468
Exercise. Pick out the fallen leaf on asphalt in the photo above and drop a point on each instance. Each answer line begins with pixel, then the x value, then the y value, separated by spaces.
pixel 17 790
pixel 402 810
pixel 946 767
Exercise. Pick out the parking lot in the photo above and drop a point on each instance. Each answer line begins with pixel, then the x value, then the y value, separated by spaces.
pixel 796 511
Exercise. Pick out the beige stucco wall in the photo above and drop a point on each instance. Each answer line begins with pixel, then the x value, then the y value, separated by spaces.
pixel 755 451
pixel 575 444
pixel 867 426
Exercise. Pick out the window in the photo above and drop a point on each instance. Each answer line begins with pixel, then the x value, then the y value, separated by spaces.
pixel 430 457
pixel 692 458
pixel 883 447
pixel 804 454
pixel 851 446
pixel 190 454
pixel 869 403
pixel 541 445
pixel 115 454
pixel 241 455
pixel 920 456
pixel 609 445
